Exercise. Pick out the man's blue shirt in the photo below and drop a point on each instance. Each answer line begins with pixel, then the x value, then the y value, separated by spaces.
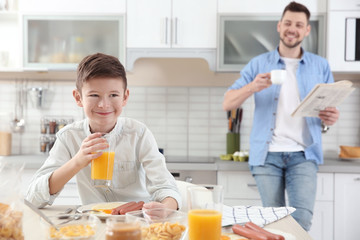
pixel 312 70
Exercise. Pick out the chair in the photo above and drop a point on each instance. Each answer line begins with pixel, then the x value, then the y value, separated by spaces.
pixel 182 186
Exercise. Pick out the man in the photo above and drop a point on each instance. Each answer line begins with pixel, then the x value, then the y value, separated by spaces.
pixel 285 151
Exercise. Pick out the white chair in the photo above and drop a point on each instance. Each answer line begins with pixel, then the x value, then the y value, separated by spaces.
pixel 182 186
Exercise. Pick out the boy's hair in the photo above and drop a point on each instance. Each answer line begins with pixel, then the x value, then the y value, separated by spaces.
pixel 296 7
pixel 99 65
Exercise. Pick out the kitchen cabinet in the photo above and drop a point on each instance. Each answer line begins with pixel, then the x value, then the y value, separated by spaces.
pixel 10 44
pixel 347 5
pixel 70 6
pixel 347 210
pixel 264 6
pixel 171 24
pixel 337 42
pixel 323 218
pixel 60 42
pixel 240 189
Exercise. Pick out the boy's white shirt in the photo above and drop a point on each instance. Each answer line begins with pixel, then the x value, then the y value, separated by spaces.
pixel 140 171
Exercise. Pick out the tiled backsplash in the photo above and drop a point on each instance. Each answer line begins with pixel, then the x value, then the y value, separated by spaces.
pixel 186 121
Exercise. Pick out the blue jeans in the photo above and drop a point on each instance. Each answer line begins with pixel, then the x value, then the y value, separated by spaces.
pixel 290 171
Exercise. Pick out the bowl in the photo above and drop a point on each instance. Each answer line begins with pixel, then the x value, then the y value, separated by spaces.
pixel 72 227
pixel 160 223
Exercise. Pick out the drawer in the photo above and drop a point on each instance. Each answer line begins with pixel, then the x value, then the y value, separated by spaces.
pixel 325 187
pixel 238 184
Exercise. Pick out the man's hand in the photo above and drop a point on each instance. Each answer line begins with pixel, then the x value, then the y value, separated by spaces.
pixel 329 116
pixel 261 81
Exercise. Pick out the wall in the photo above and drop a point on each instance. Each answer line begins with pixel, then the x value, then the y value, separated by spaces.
pixel 179 100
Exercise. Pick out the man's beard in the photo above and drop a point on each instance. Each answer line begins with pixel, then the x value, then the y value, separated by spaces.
pixel 288 45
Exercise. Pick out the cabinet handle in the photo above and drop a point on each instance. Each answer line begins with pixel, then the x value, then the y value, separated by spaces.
pixel 251 185
pixel 176 30
pixel 357 179
pixel 166 30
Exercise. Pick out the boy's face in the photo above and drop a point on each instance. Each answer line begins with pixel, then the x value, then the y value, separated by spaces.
pixel 103 100
pixel 293 28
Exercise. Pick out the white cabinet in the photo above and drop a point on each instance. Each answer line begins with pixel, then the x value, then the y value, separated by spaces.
pixel 171 24
pixel 322 223
pixel 240 189
pixel 336 41
pixel 265 6
pixel 347 210
pixel 10 44
pixel 78 6
pixel 350 5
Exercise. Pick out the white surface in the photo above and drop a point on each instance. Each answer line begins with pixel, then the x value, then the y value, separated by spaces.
pixel 171 23
pixel 336 41
pixel 347 210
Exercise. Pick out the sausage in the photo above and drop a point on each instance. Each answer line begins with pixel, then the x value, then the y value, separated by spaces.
pixel 116 211
pixel 270 235
pixel 249 233
pixel 136 206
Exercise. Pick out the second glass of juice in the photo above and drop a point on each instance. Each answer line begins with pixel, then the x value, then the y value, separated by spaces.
pixel 205 212
pixel 102 167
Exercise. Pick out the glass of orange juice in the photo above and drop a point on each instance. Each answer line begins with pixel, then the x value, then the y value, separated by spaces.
pixel 205 211
pixel 102 167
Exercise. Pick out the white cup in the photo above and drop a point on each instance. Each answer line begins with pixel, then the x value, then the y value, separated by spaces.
pixel 278 76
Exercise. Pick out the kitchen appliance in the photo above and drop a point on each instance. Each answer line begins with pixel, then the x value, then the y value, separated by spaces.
pixel 343 35
pixel 243 37
pixel 352 39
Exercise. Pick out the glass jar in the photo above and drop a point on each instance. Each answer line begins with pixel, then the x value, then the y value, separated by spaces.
pixel 44 124
pixel 52 126
pixel 118 229
pixel 44 141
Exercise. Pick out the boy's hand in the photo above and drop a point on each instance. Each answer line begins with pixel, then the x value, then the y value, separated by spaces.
pixel 89 149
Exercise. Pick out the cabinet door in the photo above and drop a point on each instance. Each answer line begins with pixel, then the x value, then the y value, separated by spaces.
pixel 148 23
pixel 194 23
pixel 238 185
pixel 265 6
pixel 347 210
pixel 350 5
pixel 78 6
pixel 323 221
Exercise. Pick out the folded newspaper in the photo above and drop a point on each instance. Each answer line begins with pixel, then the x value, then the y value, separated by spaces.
pixel 323 95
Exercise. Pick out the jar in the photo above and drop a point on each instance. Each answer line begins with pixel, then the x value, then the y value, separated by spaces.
pixel 44 124
pixel 118 229
pixel 62 123
pixel 52 140
pixel 43 144
pixel 52 126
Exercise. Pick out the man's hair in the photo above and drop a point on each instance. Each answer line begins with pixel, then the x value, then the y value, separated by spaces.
pixel 99 65
pixel 297 7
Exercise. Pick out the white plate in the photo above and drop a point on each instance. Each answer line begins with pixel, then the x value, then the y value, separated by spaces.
pixel 287 236
pixel 100 215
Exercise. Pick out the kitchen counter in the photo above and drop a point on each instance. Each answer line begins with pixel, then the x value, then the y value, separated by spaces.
pixel 331 164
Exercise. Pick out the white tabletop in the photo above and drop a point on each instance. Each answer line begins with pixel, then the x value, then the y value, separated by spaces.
pixel 33 229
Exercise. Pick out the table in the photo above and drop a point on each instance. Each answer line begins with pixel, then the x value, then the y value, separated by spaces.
pixel 33 230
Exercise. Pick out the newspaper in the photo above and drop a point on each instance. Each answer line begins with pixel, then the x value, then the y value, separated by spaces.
pixel 322 96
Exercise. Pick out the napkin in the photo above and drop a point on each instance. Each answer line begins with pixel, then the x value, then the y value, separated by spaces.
pixel 261 216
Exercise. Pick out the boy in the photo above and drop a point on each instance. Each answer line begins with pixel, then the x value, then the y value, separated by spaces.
pixel 140 172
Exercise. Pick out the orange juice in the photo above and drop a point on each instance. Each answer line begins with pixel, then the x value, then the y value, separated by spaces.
pixel 204 224
pixel 103 166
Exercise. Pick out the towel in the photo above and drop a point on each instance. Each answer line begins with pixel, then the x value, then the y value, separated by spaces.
pixel 261 216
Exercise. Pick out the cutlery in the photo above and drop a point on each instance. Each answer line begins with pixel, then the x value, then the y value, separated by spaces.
pixel 42 215
pixel 87 210
pixel 75 217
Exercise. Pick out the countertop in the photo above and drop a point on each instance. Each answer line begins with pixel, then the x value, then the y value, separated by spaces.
pixel 331 164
